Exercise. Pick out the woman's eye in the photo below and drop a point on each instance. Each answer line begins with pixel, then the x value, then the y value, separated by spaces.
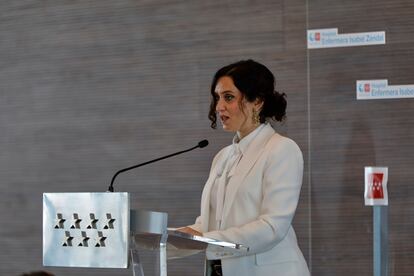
pixel 228 97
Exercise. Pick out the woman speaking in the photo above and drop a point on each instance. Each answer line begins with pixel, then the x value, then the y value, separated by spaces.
pixel 254 184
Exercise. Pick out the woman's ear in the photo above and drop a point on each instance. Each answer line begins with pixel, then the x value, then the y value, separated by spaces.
pixel 258 104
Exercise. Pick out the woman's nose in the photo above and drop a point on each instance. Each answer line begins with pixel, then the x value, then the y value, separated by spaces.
pixel 220 105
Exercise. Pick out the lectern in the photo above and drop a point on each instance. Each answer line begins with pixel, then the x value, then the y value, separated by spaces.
pixel 100 230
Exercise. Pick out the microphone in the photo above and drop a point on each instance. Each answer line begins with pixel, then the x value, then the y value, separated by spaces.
pixel 201 144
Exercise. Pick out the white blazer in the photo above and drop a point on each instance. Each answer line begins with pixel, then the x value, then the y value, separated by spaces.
pixel 259 206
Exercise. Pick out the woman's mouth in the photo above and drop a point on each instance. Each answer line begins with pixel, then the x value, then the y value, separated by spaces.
pixel 224 118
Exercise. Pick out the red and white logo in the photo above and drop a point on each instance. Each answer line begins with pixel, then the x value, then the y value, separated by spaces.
pixel 375 189
pixel 318 36
pixel 376 192
pixel 367 87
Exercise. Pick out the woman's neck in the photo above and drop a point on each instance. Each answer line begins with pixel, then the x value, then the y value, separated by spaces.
pixel 243 134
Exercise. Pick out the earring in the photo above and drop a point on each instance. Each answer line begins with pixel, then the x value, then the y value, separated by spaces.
pixel 255 117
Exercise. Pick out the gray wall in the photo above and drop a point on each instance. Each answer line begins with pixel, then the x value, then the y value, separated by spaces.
pixel 89 87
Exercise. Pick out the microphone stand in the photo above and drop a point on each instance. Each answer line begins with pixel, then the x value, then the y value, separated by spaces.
pixel 201 144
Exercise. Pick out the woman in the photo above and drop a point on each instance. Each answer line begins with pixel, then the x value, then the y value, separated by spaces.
pixel 253 189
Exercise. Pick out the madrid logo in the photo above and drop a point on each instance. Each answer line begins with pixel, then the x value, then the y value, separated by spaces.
pixel 364 87
pixel 315 36
pixel 375 189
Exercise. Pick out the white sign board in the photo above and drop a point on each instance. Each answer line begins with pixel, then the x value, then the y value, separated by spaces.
pixel 329 38
pixel 379 89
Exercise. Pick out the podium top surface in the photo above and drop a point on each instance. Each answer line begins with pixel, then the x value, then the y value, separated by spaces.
pixel 184 241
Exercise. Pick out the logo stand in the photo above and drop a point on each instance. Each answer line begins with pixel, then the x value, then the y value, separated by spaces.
pixel 376 195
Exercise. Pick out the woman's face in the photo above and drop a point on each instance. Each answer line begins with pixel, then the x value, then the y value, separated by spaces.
pixel 234 111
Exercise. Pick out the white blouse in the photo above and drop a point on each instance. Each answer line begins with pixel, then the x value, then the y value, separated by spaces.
pixel 218 191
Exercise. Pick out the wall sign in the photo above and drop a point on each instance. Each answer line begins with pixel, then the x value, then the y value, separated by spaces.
pixel 329 38
pixel 379 89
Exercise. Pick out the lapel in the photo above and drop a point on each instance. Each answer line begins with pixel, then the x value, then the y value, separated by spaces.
pixel 254 150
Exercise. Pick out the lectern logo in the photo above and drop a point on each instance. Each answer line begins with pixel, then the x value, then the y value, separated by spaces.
pixel 84 233
pixel 375 186
pixel 86 229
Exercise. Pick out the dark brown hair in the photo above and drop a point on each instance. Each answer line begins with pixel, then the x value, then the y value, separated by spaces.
pixel 254 81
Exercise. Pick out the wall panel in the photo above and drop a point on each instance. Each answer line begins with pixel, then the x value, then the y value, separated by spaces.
pixel 348 134
pixel 89 87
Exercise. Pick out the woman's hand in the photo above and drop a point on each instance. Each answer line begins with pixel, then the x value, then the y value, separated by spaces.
pixel 190 231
